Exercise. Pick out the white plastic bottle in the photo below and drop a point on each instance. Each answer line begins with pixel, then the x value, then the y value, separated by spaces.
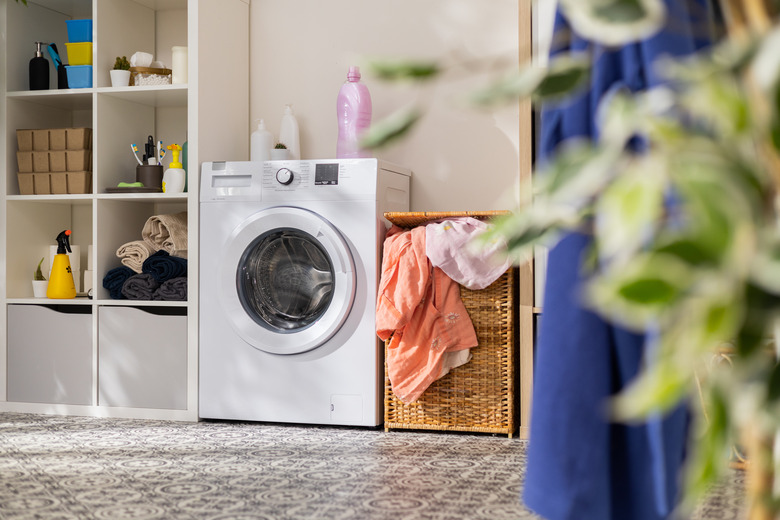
pixel 261 143
pixel 289 134
pixel 353 109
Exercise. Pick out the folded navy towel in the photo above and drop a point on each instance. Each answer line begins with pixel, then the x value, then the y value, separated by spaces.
pixel 115 279
pixel 139 287
pixel 174 289
pixel 163 267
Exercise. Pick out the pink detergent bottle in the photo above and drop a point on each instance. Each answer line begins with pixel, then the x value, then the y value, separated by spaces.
pixel 353 108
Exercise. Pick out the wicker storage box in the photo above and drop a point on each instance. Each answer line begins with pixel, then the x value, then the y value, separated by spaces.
pixel 479 396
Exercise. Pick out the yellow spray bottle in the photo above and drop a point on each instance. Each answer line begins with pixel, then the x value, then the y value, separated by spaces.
pixel 61 280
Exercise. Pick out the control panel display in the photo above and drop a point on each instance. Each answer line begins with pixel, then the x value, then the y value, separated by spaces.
pixel 326 174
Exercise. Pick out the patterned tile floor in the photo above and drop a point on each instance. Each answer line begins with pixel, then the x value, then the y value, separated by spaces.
pixel 68 468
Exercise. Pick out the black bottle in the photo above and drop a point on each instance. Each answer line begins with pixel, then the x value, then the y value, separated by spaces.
pixel 39 70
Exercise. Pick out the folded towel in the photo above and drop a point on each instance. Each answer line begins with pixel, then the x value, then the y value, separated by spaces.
pixel 139 287
pixel 133 254
pixel 115 279
pixel 167 233
pixel 174 289
pixel 163 266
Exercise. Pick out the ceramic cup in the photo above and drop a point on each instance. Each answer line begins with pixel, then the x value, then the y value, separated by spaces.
pixel 149 176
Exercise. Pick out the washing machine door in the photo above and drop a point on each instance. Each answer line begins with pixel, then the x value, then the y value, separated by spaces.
pixel 288 280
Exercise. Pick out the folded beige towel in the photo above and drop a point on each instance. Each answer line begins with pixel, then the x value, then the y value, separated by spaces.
pixel 167 232
pixel 133 254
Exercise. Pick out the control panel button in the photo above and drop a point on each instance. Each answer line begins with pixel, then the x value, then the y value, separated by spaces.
pixel 284 176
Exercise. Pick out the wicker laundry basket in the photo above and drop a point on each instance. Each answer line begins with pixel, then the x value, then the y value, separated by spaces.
pixel 479 396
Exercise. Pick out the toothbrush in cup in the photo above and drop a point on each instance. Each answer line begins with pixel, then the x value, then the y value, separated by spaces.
pixel 134 147
pixel 160 152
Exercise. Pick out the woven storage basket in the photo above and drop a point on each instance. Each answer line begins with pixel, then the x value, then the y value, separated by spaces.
pixel 480 395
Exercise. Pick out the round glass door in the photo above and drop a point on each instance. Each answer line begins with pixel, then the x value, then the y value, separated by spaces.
pixel 285 280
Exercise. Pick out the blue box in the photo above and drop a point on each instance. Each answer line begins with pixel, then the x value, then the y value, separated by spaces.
pixel 79 76
pixel 79 30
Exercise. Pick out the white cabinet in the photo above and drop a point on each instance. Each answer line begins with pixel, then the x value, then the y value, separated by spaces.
pixel 142 357
pixel 210 112
pixel 50 350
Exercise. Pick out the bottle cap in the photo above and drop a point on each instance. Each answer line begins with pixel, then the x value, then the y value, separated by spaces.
pixel 354 73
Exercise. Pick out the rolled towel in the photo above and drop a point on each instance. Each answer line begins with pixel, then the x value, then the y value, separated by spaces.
pixel 174 289
pixel 133 254
pixel 115 279
pixel 167 233
pixel 163 266
pixel 139 287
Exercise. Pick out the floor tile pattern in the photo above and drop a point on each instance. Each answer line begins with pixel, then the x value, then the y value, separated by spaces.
pixel 75 468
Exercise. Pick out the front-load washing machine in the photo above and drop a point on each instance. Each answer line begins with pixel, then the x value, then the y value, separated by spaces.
pixel 290 255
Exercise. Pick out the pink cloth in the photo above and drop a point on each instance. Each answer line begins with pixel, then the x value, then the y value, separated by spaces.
pixel 420 311
pixel 449 246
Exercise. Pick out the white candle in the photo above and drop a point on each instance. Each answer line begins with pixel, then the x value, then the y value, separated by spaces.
pixel 179 66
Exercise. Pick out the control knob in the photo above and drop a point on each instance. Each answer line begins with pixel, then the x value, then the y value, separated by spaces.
pixel 284 176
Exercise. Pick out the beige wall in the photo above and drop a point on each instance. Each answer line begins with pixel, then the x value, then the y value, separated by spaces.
pixel 461 159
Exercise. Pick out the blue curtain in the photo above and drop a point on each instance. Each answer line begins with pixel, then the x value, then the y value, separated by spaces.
pixel 581 466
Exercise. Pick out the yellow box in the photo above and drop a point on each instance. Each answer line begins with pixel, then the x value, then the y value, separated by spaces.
pixel 79 53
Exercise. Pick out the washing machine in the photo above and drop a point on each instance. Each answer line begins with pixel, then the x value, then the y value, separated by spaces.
pixel 290 259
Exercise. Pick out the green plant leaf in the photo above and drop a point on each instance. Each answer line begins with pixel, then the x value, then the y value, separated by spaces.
pixel 524 229
pixel 630 208
pixel 641 290
pixel 397 70
pixel 655 390
pixel 38 274
pixel 713 441
pixel 577 172
pixel 615 22
pixel 390 129
pixel 565 73
pixel 773 390
pixel 688 250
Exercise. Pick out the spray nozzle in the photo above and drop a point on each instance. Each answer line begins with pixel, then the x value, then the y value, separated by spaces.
pixel 63 242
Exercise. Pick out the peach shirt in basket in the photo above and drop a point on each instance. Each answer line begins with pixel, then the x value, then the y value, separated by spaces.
pixel 419 309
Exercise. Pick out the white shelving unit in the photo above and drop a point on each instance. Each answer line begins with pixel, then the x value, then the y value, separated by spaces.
pixel 210 112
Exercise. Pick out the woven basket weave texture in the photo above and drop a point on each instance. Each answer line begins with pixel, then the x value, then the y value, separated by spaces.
pixel 479 396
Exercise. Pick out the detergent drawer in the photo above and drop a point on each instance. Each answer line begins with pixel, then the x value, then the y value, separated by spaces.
pixel 142 357
pixel 50 354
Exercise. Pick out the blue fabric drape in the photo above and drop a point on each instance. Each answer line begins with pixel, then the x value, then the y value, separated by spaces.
pixel 580 465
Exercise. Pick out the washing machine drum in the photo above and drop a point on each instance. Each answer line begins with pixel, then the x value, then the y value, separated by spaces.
pixel 288 280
